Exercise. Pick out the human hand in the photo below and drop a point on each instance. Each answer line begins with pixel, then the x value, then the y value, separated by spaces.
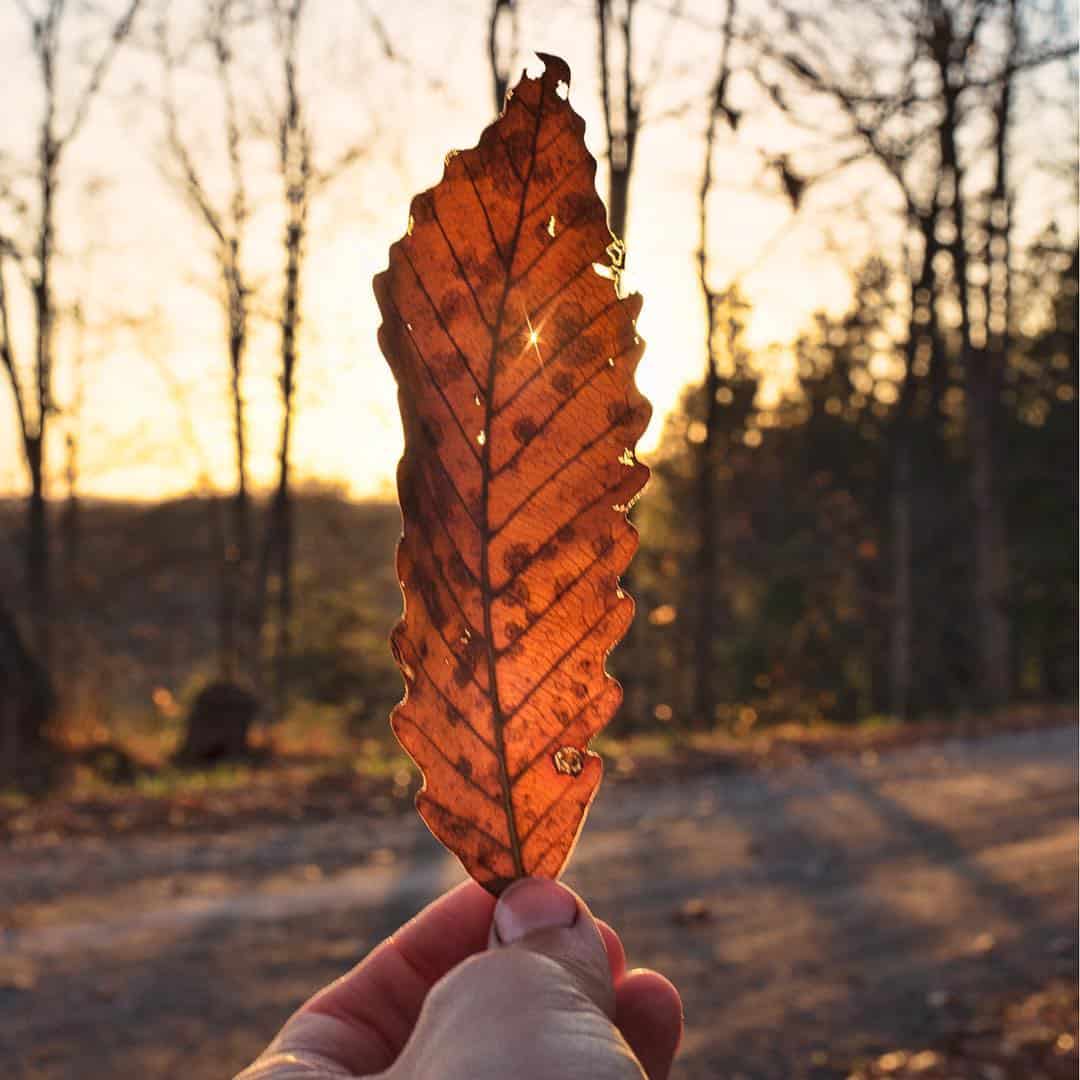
pixel 532 987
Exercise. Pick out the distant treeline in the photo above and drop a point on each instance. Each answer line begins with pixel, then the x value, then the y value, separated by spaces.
pixel 800 625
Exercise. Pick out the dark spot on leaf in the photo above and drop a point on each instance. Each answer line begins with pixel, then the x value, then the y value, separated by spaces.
pixel 516 558
pixel 576 206
pixel 513 630
pixel 495 162
pixel 517 593
pixel 524 430
pixel 581 691
pixel 463 673
pixel 451 304
pixel 490 270
pixel 447 367
pixel 464 766
pixel 569 318
pixel 542 174
pixel 433 431
pixel 564 383
pixel 426 587
pixel 566 533
pixel 601 545
pixel 580 352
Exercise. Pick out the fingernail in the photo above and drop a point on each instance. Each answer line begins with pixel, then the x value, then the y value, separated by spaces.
pixel 533 904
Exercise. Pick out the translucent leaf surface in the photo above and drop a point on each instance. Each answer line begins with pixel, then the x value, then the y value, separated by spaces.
pixel 514 355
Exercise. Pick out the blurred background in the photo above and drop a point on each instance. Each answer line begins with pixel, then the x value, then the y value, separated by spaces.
pixel 854 225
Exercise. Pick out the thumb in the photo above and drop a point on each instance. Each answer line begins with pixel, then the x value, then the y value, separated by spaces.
pixel 547 919
pixel 539 1003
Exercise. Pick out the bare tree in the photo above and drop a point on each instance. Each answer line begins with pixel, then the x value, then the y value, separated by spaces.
pixel 26 703
pixel 32 248
pixel 913 122
pixel 302 180
pixel 706 540
pixel 226 225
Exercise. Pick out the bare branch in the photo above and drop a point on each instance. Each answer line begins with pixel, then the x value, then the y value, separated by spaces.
pixel 7 351
pixel 120 30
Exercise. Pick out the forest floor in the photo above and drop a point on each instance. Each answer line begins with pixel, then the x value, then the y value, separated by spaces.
pixel 903 911
pixel 301 772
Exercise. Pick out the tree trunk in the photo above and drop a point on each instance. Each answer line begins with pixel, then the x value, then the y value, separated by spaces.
pixel 219 724
pixel 237 548
pixel 900 631
pixel 26 704
pixel 500 65
pixel 991 542
pixel 922 330
pixel 38 573
pixel 991 554
pixel 990 579
pixel 704 702
pixel 283 644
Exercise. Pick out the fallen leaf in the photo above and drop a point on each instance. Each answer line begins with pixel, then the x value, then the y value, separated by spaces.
pixel 514 352
pixel 694 910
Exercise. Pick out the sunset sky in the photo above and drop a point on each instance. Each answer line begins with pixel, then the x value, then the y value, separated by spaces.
pixel 154 413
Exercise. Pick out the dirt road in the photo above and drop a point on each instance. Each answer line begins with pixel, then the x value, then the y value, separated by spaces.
pixel 808 914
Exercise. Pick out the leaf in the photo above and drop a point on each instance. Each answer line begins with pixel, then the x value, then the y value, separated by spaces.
pixel 514 354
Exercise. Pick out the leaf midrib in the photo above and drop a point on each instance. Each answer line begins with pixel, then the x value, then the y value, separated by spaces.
pixel 486 597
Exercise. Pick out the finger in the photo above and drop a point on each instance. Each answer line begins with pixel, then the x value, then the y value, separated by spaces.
pixel 547 918
pixel 364 1018
pixel 648 1012
pixel 616 954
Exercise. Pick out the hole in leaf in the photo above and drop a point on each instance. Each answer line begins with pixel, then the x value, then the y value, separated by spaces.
pixel 569 761
pixel 551 225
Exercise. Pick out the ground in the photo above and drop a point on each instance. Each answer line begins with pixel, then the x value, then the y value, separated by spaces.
pixel 838 917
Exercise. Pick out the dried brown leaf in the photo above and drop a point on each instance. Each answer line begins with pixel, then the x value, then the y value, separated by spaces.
pixel 514 354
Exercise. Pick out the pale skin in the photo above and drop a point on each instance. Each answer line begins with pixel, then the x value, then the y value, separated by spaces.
pixel 530 988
